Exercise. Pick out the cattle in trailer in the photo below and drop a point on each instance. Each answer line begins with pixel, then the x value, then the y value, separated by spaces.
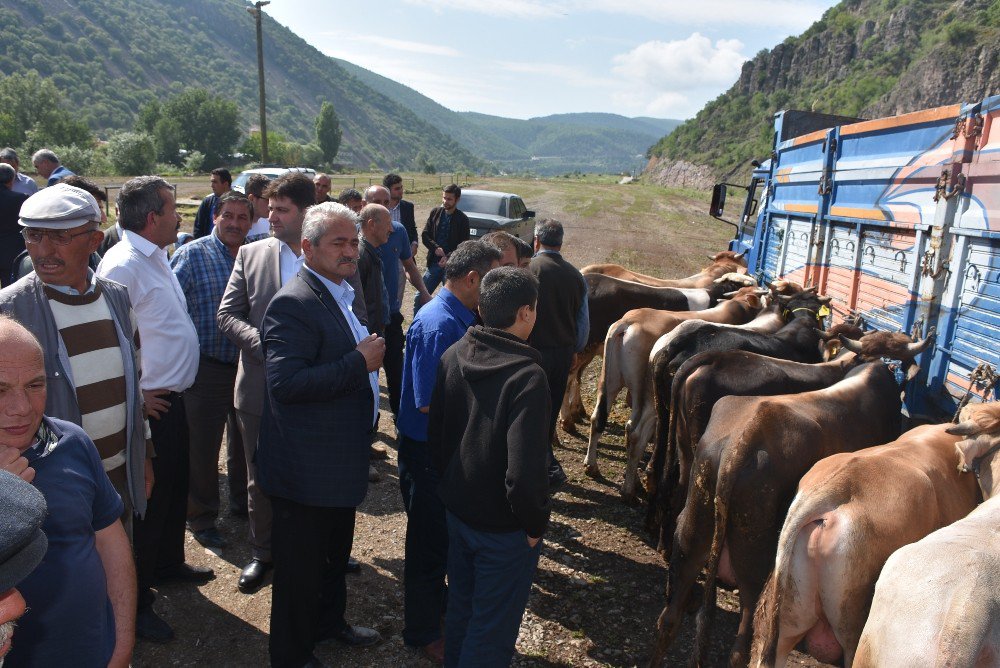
pixel 626 366
pixel 937 601
pixel 745 471
pixel 724 262
pixel 851 512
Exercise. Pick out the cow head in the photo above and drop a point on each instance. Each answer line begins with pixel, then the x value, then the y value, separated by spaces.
pixel 980 425
pixel 832 347
pixel 892 345
pixel 751 296
pixel 805 304
pixel 729 256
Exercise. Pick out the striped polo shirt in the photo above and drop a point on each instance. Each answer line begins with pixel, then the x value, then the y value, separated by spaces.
pixel 95 358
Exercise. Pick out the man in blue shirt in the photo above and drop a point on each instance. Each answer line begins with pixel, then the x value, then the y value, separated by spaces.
pixel 47 165
pixel 202 268
pixel 442 322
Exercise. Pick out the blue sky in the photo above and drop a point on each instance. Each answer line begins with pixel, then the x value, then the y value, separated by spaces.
pixel 525 58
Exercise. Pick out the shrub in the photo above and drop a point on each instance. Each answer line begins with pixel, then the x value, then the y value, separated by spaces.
pixel 131 153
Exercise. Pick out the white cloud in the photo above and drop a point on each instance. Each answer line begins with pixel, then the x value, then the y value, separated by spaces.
pixel 682 64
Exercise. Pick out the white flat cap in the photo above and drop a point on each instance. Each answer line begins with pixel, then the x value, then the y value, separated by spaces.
pixel 59 207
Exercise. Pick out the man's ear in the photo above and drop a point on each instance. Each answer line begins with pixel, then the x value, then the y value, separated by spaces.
pixel 307 248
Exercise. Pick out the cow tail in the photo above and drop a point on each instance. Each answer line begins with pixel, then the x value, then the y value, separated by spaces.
pixel 612 367
pixel 659 494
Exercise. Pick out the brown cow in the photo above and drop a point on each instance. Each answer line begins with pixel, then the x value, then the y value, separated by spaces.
pixel 851 512
pixel 626 365
pixel 722 263
pixel 746 468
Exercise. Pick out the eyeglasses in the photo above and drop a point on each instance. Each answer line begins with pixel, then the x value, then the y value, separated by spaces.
pixel 34 235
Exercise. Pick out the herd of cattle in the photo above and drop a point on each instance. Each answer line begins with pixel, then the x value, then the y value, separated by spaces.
pixel 778 468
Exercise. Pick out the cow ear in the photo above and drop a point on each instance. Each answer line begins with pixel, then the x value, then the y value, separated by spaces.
pixel 823 299
pixel 967 428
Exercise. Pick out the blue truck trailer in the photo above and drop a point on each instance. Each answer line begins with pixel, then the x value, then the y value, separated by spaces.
pixel 897 219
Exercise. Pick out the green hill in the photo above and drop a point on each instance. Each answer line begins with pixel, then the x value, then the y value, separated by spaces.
pixel 864 58
pixel 108 57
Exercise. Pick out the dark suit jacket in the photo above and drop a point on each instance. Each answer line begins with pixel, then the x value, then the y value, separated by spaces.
pixel 372 283
pixel 407 219
pixel 11 241
pixel 110 239
pixel 315 434
pixel 203 222
pixel 458 232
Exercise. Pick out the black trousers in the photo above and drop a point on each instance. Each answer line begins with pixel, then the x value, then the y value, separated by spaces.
pixel 310 547
pixel 159 536
pixel 556 363
pixel 393 360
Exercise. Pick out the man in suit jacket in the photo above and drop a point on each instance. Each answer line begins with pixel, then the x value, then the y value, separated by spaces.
pixel 11 241
pixel 400 209
pixel 447 226
pixel 312 455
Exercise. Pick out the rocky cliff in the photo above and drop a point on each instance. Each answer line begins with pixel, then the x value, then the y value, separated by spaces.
pixel 864 58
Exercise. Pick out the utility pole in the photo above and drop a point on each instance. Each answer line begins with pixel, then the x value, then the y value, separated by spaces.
pixel 256 13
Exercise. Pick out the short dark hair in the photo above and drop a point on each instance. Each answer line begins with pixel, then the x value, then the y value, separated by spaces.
pixel 549 232
pixel 78 181
pixel 470 256
pixel 391 179
pixel 234 196
pixel 454 190
pixel 296 186
pixel 349 195
pixel 524 249
pixel 138 198
pixel 503 292
pixel 223 174
pixel 7 173
pixel 256 185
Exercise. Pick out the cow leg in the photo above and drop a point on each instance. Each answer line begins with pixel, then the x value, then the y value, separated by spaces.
pixel 641 434
pixel 609 386
pixel 573 410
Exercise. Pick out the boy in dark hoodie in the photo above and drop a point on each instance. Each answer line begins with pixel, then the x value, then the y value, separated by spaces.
pixel 488 434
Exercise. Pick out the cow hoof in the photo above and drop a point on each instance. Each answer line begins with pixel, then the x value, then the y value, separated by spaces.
pixel 629 498
pixel 568 426
pixel 593 471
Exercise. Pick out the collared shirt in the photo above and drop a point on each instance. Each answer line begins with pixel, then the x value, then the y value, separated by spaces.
pixel 169 339
pixel 260 230
pixel 394 213
pixel 392 252
pixel 437 325
pixel 57 175
pixel 343 294
pixel 582 316
pixel 202 268
pixel 24 184
pixel 67 290
pixel 288 262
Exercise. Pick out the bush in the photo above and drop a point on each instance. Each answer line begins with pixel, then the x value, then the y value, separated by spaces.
pixel 194 162
pixel 131 153
pixel 74 158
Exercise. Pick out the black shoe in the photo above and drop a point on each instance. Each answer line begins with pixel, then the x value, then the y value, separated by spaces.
pixel 210 538
pixel 557 477
pixel 185 573
pixel 150 626
pixel 355 636
pixel 252 577
pixel 353 566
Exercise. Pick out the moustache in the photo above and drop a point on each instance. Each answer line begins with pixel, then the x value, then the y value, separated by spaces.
pixel 51 260
pixel 353 262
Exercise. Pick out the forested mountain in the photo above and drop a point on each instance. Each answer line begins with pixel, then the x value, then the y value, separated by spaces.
pixel 588 142
pixel 864 58
pixel 108 57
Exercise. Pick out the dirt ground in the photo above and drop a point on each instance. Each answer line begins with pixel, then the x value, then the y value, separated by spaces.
pixel 599 586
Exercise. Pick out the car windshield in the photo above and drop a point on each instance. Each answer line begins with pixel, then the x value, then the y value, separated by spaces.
pixel 241 180
pixel 481 203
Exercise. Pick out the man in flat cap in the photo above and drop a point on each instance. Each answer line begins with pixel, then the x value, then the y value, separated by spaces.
pixel 82 595
pixel 22 544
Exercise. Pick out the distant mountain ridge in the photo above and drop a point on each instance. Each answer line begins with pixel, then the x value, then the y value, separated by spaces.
pixel 864 58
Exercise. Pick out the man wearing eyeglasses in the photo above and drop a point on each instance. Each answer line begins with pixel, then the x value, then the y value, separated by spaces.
pixel 87 330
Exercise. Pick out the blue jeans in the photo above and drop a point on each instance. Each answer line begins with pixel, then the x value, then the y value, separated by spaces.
pixel 433 277
pixel 426 557
pixel 489 579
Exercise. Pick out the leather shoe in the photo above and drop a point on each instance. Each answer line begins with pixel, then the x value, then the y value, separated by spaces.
pixel 355 636
pixel 557 477
pixel 150 626
pixel 252 577
pixel 210 538
pixel 353 566
pixel 434 651
pixel 185 573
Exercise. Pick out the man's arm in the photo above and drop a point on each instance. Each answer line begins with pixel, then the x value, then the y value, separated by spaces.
pixel 408 220
pixel 461 225
pixel 427 236
pixel 416 280
pixel 119 570
pixel 528 456
pixel 234 313
pixel 583 320
pixel 203 219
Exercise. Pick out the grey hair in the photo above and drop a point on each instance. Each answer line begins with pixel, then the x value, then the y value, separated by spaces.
pixel 8 153
pixel 137 199
pixel 373 212
pixel 549 232
pixel 471 256
pixel 375 188
pixel 44 154
pixel 7 173
pixel 318 217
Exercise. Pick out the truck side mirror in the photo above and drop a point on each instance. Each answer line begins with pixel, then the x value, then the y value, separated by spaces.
pixel 528 214
pixel 718 200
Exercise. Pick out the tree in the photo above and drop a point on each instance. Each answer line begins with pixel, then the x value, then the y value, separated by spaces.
pixel 195 120
pixel 328 132
pixel 131 153
pixel 33 115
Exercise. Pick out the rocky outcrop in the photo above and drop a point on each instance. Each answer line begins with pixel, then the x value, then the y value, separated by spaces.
pixel 679 173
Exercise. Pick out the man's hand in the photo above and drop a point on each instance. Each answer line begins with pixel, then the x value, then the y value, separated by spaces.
pixel 156 405
pixel 373 348
pixel 533 541
pixel 443 261
pixel 12 461
pixel 413 248
pixel 439 251
pixel 150 478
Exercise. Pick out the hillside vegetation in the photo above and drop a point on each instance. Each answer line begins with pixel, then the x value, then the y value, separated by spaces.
pixel 864 58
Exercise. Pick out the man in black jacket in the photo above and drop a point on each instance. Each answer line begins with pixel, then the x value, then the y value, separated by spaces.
pixel 204 220
pixel 376 225
pixel 488 434
pixel 446 227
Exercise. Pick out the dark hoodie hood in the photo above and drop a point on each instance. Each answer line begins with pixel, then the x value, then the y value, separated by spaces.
pixel 489 351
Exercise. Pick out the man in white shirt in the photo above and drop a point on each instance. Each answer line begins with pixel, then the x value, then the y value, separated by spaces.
pixel 148 215
pixel 22 182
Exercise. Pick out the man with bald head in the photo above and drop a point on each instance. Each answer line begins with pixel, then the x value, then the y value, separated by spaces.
pixel 322 183
pixel 376 226
pixel 82 596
